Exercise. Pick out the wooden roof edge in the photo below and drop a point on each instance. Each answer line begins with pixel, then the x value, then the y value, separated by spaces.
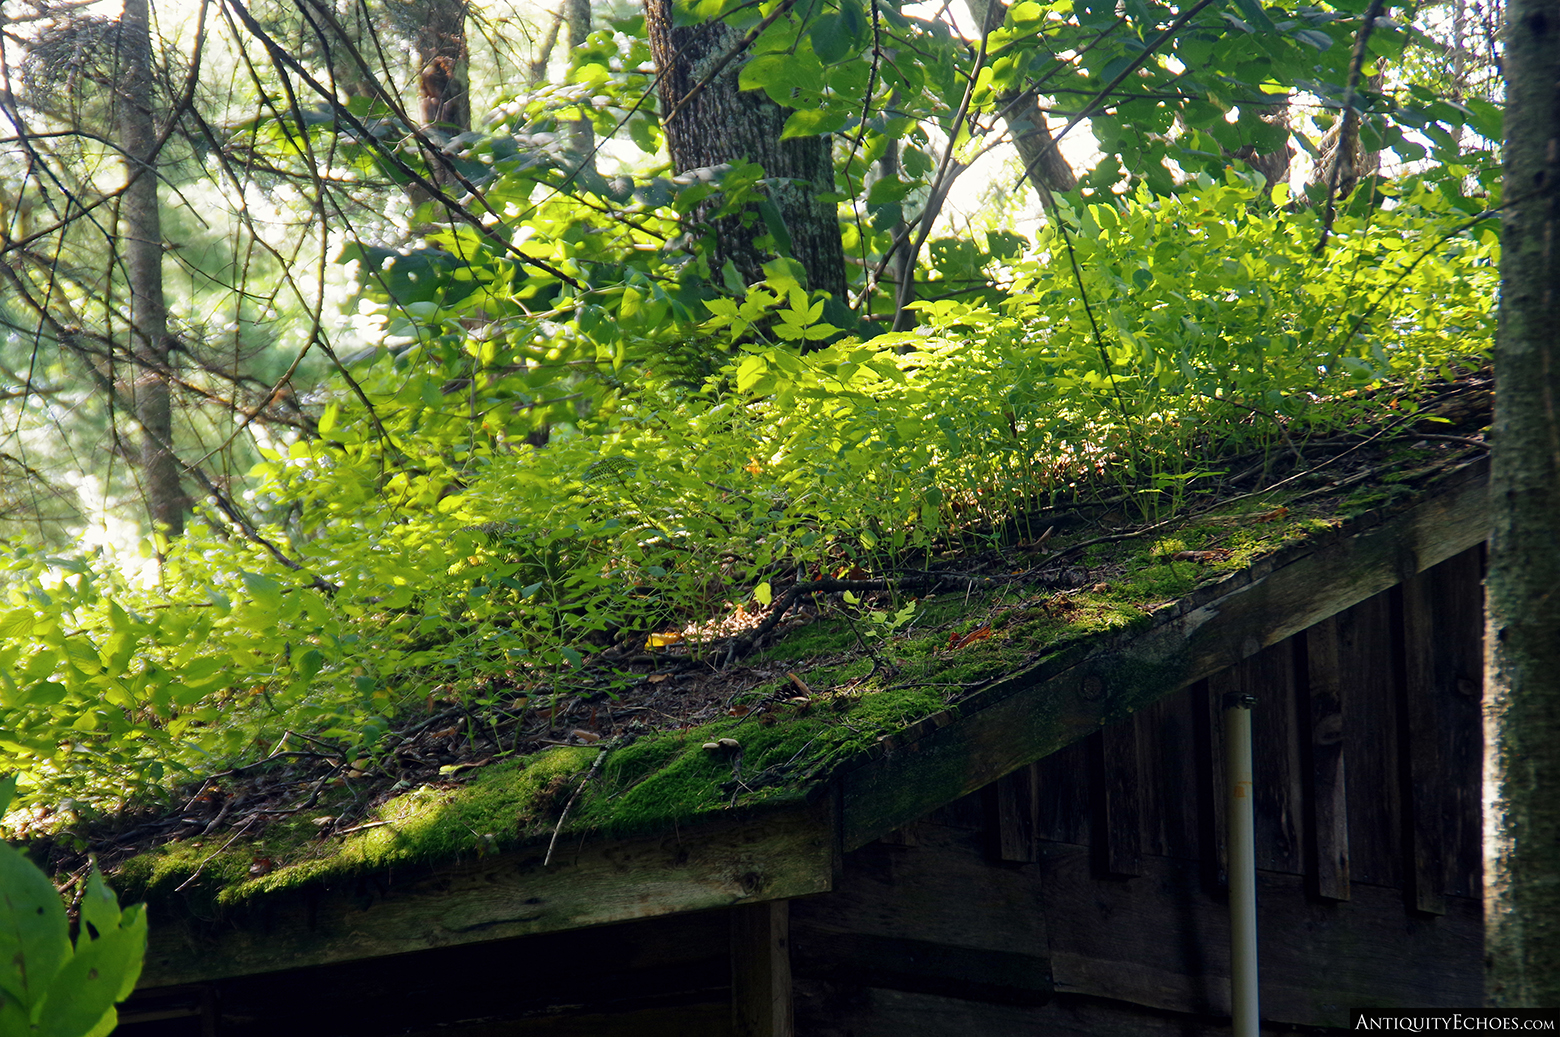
pixel 796 849
pixel 1028 716
pixel 787 852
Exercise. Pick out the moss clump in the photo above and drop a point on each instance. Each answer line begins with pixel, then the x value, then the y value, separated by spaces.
pixel 668 777
pixel 646 785
pixel 424 824
pixel 821 638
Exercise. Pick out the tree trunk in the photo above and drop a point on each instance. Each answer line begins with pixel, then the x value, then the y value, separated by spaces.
pixel 1341 145
pixel 723 124
pixel 1044 164
pixel 1274 165
pixel 441 54
pixel 1523 636
pixel 444 93
pixel 582 135
pixel 1043 160
pixel 141 228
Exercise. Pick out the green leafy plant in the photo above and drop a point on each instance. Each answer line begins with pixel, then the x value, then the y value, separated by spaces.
pixel 432 549
pixel 48 986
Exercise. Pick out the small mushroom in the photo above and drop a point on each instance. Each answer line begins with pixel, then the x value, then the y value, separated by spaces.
pixel 729 744
pixel 712 747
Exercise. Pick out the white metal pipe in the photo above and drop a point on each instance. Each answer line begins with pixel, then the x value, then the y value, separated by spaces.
pixel 1240 828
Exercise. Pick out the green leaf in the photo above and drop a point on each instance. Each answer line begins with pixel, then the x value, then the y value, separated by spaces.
pixel 775 224
pixel 85 990
pixel 831 39
pixel 15 1018
pixel 17 623
pixel 33 939
pixel 99 906
pixel 888 189
pixel 778 75
pixel 309 664
pixel 1315 37
pixel 1252 9
pixel 643 133
pixel 1487 118
pixel 752 368
pixel 266 591
pixel 811 122
pixel 853 22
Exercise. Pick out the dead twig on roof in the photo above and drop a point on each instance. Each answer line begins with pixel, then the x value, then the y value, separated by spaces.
pixel 563 817
pixel 196 873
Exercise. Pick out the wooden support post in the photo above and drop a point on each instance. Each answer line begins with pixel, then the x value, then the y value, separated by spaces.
pixel 1118 827
pixel 1423 772
pixel 761 1004
pixel 1011 807
pixel 1329 828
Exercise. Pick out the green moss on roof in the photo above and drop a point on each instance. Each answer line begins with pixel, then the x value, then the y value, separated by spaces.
pixel 955 643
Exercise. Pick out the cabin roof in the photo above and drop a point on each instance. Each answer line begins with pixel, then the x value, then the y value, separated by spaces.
pixel 635 827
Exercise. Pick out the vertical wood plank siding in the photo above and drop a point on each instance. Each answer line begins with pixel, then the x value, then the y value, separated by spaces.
pixel 1368 740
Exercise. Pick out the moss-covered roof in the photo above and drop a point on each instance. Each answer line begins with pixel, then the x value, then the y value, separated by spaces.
pixel 870 711
pixel 809 706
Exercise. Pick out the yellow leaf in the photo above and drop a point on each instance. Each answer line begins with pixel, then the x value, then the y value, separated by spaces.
pixel 764 593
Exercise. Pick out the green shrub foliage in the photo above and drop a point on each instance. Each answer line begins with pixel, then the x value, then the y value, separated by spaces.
pixel 422 543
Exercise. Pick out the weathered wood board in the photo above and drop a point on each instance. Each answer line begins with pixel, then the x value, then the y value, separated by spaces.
pixel 936 917
pixel 1366 645
pixel 1167 742
pixel 1161 941
pixel 1011 812
pixel 1328 835
pixel 1443 687
pixel 787 854
pixel 1030 715
pixel 761 970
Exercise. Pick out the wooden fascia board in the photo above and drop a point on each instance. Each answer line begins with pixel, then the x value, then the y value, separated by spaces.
pixel 791 852
pixel 1032 714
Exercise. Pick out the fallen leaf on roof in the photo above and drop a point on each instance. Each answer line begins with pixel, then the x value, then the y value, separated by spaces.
pixel 663 640
pixel 957 640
